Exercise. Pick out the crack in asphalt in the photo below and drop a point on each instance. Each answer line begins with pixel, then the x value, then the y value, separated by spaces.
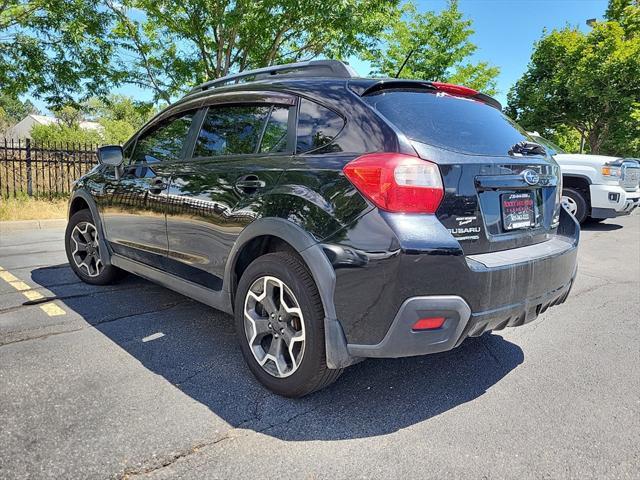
pixel 232 433
pixel 95 325
pixel 93 293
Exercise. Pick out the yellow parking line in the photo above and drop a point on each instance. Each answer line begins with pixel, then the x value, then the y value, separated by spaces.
pixel 6 276
pixel 52 309
pixel 33 295
pixel 49 308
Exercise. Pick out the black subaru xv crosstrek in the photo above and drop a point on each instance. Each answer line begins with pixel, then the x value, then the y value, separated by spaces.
pixel 336 217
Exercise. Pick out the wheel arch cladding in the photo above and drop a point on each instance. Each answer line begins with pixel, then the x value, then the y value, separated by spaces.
pixel 83 200
pixel 78 203
pixel 284 235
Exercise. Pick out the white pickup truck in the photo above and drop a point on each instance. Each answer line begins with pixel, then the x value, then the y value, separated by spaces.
pixel 596 186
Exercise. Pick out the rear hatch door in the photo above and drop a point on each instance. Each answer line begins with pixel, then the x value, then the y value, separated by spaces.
pixel 498 195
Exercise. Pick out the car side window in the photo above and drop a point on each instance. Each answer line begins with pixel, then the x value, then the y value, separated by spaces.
pixel 231 130
pixel 274 138
pixel 165 142
pixel 317 126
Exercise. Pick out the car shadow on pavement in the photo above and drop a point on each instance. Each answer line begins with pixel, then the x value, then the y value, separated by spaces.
pixel 197 353
pixel 600 227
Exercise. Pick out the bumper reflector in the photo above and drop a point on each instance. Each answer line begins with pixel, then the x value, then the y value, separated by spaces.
pixel 429 323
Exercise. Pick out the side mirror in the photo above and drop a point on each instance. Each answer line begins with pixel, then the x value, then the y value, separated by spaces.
pixel 111 155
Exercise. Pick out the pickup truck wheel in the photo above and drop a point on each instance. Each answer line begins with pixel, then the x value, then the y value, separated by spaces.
pixel 280 325
pixel 83 251
pixel 575 203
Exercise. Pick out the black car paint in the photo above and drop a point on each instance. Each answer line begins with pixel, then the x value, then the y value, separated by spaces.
pixel 378 258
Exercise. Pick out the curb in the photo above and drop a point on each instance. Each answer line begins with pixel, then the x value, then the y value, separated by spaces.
pixel 17 225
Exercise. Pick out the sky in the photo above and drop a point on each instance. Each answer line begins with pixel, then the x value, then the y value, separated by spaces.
pixel 505 32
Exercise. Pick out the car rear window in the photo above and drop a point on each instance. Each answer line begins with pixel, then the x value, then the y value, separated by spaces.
pixel 455 123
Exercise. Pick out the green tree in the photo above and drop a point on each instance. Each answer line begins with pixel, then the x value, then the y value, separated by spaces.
pixel 176 44
pixel 16 109
pixel 55 49
pixel 12 110
pixel 589 82
pixel 69 115
pixel 63 134
pixel 440 48
pixel 626 13
pixel 119 108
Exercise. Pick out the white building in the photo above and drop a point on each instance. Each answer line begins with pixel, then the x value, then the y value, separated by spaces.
pixel 22 129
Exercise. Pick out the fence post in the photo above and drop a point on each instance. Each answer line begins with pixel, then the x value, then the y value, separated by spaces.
pixel 29 175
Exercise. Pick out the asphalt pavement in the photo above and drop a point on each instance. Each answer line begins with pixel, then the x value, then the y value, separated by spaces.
pixel 133 380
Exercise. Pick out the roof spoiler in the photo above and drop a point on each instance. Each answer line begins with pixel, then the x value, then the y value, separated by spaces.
pixel 451 89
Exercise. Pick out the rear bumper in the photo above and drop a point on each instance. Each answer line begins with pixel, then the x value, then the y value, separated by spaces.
pixel 610 201
pixel 415 269
pixel 460 323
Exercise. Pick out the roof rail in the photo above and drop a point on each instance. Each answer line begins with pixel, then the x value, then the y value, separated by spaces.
pixel 313 68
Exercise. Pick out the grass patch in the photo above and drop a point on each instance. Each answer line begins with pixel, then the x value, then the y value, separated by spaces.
pixel 26 208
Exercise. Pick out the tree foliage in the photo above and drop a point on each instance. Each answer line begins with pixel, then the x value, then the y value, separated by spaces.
pixel 119 118
pixel 586 81
pixel 12 110
pixel 69 50
pixel 55 49
pixel 174 44
pixel 63 134
pixel 440 48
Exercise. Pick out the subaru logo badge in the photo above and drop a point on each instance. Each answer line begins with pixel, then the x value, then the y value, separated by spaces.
pixel 531 177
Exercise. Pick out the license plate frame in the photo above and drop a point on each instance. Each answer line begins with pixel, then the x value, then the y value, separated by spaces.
pixel 518 210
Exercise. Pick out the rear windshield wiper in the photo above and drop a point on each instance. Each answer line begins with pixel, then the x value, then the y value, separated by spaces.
pixel 527 148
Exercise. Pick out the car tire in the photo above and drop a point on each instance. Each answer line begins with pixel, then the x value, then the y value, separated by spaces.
pixel 84 253
pixel 575 203
pixel 280 325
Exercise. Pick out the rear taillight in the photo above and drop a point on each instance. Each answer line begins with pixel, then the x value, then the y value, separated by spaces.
pixel 396 182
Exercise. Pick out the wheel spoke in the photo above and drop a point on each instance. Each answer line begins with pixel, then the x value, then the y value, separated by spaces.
pixel 268 302
pixel 291 336
pixel 260 326
pixel 275 353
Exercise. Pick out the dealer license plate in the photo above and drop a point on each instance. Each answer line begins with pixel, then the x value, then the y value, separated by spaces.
pixel 518 210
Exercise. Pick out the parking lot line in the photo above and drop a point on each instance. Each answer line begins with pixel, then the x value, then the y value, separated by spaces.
pixel 49 308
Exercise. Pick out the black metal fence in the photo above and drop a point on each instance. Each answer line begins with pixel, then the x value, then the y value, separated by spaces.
pixel 42 169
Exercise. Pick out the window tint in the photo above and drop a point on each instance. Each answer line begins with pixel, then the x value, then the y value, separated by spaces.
pixel 455 123
pixel 317 126
pixel 274 138
pixel 230 130
pixel 164 142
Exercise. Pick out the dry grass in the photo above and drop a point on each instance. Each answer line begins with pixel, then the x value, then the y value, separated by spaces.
pixel 25 208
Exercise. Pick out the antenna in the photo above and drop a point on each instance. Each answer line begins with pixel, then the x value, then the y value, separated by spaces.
pixel 404 63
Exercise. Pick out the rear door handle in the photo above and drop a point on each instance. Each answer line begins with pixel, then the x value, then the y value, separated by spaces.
pixel 249 184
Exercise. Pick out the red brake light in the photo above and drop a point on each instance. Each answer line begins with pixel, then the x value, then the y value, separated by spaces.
pixel 430 323
pixel 455 89
pixel 396 182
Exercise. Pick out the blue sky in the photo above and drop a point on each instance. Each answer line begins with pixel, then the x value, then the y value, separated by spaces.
pixel 505 31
